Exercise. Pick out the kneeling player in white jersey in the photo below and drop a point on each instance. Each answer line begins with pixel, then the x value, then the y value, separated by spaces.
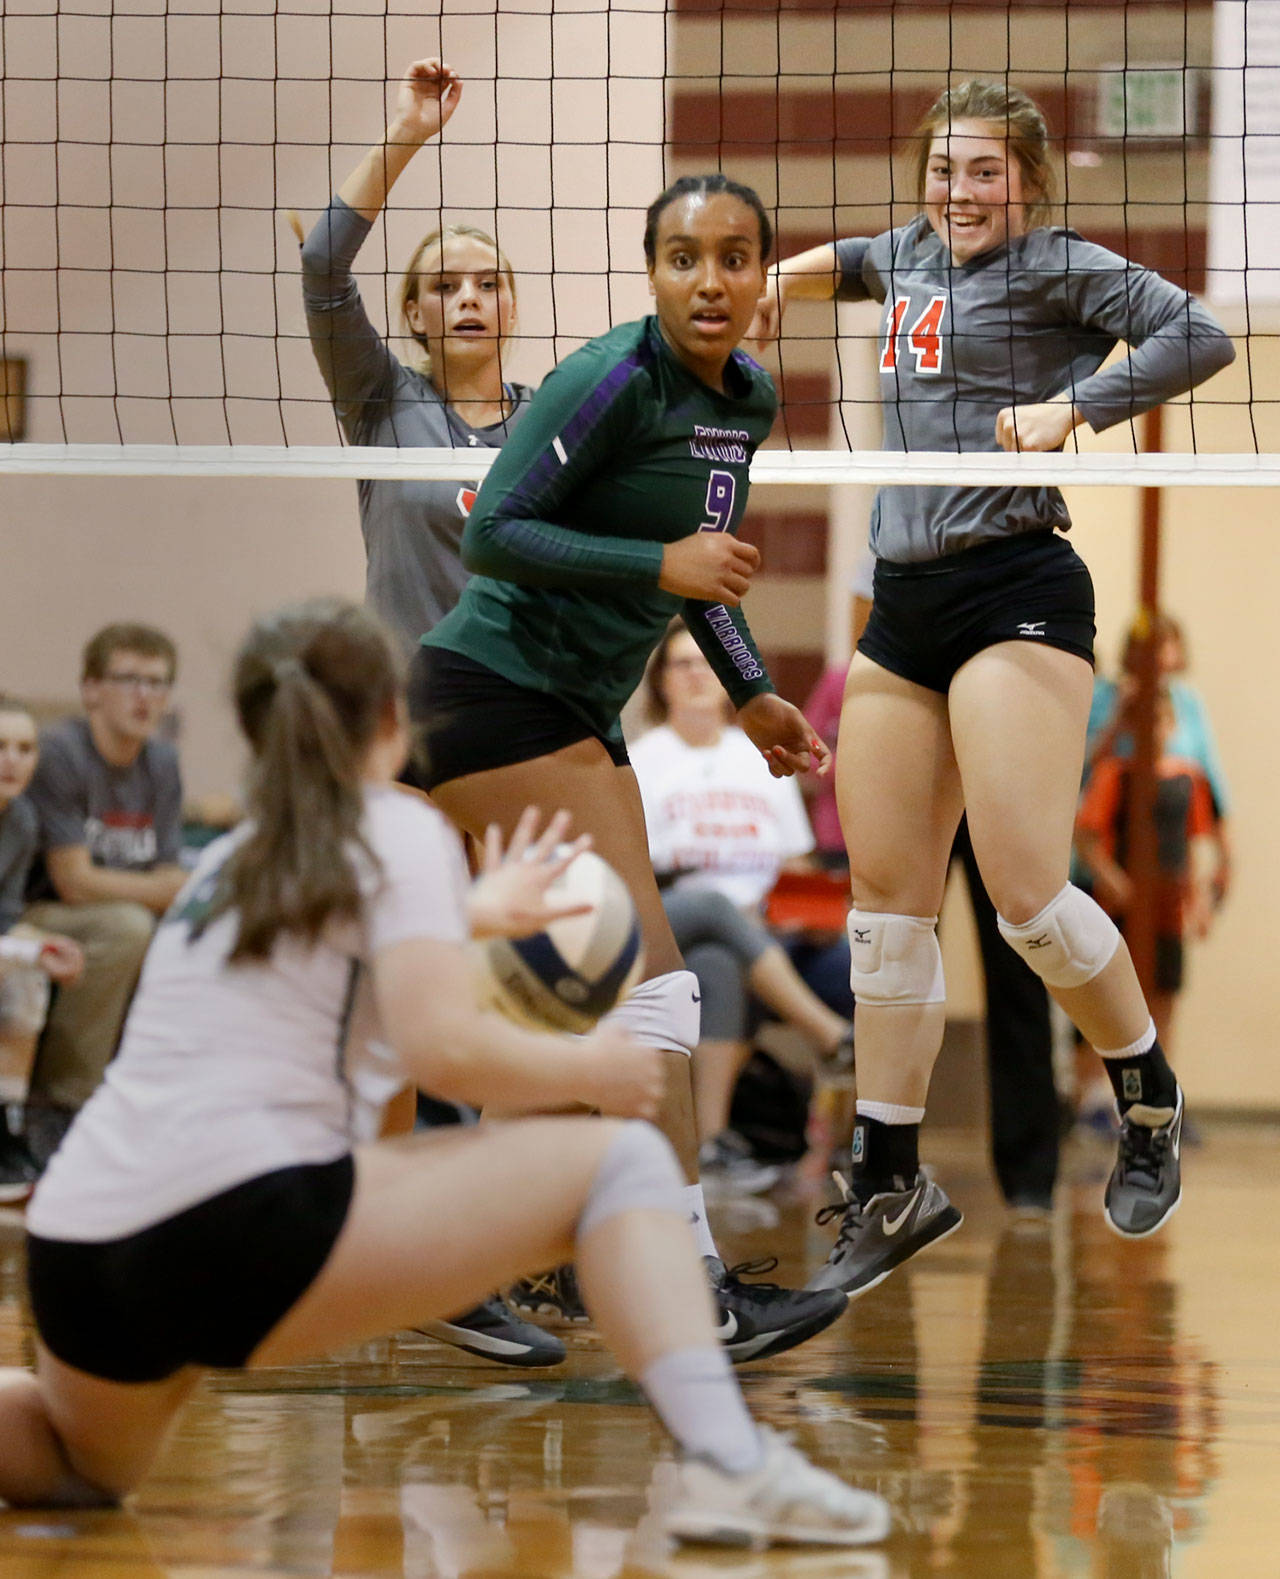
pixel 219 1202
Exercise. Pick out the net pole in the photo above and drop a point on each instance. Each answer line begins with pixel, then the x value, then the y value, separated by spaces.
pixel 1144 869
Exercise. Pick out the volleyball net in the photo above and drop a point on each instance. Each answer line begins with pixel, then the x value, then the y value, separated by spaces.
pixel 151 309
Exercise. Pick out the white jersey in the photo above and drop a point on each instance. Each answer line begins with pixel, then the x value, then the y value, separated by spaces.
pixel 226 1072
pixel 717 814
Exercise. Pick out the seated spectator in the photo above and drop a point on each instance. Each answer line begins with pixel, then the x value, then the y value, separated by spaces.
pixel 29 958
pixel 108 797
pixel 720 830
pixel 1184 817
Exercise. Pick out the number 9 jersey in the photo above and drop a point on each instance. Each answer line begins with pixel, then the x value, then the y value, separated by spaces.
pixel 622 451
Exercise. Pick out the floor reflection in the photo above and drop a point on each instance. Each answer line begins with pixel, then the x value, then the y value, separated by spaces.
pixel 1035 1400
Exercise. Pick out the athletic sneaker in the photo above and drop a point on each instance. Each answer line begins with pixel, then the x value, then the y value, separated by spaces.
pixel 494 1333
pixel 879 1234
pixel 785 1501
pixel 1146 1183
pixel 551 1297
pixel 760 1319
pixel 18 1168
pixel 726 1167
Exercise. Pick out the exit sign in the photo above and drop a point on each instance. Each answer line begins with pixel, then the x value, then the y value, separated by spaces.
pixel 1147 101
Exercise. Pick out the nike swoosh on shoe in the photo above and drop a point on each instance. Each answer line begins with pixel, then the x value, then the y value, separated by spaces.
pixel 892 1224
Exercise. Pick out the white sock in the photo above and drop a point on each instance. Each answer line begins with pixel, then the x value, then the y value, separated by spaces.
pixel 890 1112
pixel 698 1399
pixel 696 1211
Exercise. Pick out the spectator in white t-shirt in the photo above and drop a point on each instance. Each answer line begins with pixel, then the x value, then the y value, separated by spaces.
pixel 721 828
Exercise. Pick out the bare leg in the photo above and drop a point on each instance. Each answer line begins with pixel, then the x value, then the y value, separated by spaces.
pixel 900 803
pixel 603 800
pixel 777 983
pixel 716 1067
pixel 72 1440
pixel 516 1193
pixel 1026 705
pixel 642 1250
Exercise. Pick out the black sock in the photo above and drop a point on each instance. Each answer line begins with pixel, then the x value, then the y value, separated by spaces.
pixel 885 1156
pixel 1144 1078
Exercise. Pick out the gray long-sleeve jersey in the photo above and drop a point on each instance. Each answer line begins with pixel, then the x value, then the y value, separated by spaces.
pixel 1014 326
pixel 412 529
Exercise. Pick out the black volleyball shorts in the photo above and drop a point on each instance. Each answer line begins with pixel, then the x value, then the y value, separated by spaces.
pixel 929 619
pixel 468 719
pixel 203 1287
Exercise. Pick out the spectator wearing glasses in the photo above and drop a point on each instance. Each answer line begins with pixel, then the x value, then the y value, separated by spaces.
pixel 108 797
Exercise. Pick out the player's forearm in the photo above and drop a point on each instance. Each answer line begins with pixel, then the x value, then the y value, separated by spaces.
pixel 726 642
pixel 478 1057
pixel 1176 357
pixel 365 189
pixel 540 553
pixel 89 885
pixel 808 276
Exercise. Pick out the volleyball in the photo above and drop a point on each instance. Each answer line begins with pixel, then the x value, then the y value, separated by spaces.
pixel 566 977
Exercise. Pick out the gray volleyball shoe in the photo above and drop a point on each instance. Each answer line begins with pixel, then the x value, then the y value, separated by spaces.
pixel 880 1233
pixel 492 1331
pixel 1145 1186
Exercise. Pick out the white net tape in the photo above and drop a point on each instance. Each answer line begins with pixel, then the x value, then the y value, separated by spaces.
pixel 777 467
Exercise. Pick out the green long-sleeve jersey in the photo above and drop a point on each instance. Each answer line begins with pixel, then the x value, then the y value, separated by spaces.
pixel 623 450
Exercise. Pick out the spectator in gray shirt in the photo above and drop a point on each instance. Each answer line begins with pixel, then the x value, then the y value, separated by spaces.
pixel 108 797
pixel 29 959
pixel 457 299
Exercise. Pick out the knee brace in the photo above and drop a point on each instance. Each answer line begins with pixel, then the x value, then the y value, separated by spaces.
pixel 1068 943
pixel 895 959
pixel 638 1172
pixel 663 1012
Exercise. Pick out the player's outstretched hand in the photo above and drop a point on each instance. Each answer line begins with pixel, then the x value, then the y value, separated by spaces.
pixel 1036 429
pixel 61 959
pixel 509 898
pixel 629 1079
pixel 784 736
pixel 428 95
pixel 766 326
pixel 711 566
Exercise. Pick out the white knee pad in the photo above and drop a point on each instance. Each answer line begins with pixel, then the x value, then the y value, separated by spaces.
pixel 663 1012
pixel 895 959
pixel 1068 943
pixel 638 1172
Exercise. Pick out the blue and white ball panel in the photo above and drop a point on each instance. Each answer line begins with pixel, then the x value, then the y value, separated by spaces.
pixel 567 977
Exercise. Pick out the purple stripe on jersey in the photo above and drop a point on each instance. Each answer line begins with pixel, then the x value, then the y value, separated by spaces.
pixel 521 499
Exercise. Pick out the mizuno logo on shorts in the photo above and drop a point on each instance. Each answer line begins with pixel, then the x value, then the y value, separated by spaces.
pixel 1031 628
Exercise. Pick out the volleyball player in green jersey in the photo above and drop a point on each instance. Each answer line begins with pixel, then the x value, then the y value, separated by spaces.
pixel 611 508
pixel 972 682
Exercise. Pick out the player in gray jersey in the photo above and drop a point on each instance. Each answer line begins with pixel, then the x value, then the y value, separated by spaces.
pixel 971 686
pixel 458 302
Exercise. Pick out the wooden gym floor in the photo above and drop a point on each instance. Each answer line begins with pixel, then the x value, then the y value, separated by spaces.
pixel 1034 1401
